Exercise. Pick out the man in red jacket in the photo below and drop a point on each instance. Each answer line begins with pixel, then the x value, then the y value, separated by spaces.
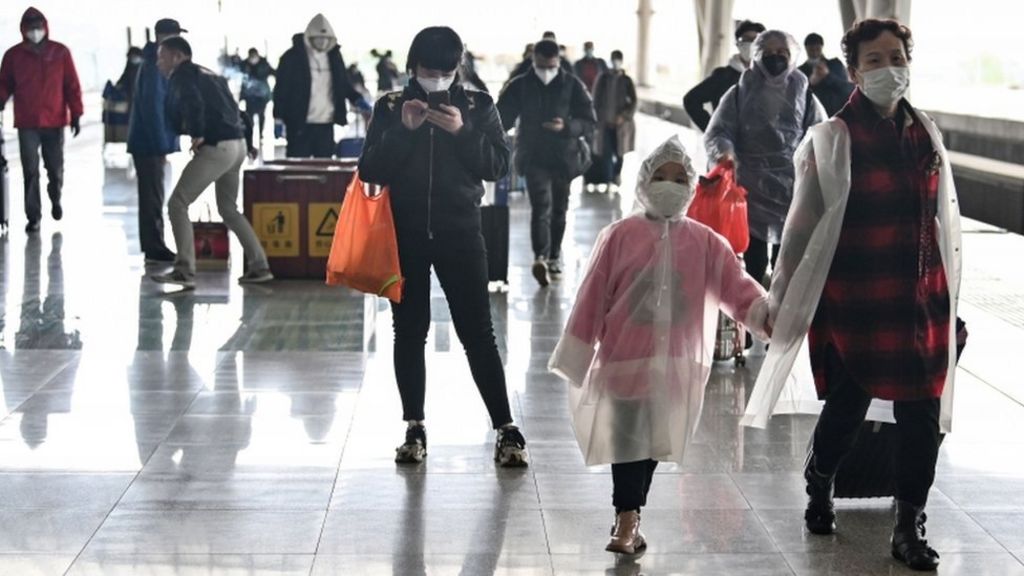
pixel 41 76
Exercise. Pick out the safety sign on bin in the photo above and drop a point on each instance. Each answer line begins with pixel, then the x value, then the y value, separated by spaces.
pixel 323 217
pixel 277 226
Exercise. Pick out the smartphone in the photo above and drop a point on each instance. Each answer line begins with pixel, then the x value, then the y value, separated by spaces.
pixel 436 99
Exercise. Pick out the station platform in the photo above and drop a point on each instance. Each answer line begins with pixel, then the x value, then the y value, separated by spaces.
pixel 251 430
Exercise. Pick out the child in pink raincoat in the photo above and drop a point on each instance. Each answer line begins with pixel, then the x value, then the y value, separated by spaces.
pixel 638 346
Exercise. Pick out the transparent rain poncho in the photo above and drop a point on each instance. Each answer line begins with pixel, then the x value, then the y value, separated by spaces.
pixel 638 345
pixel 761 121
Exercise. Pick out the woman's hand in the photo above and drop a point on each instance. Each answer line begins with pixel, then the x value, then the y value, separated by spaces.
pixel 414 113
pixel 448 118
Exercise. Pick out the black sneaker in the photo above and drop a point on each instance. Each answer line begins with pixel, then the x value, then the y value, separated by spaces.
pixel 32 226
pixel 510 448
pixel 540 272
pixel 414 450
pixel 56 211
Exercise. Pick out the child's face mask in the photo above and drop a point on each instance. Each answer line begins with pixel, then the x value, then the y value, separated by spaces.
pixel 667 199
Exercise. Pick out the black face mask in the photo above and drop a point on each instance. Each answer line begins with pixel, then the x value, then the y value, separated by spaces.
pixel 775 64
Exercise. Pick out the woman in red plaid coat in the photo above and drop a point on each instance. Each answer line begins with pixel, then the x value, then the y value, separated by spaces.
pixel 870 271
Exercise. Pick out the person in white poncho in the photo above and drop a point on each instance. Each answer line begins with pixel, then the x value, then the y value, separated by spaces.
pixel 638 346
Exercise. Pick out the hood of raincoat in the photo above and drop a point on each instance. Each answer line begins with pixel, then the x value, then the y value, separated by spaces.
pixel 794 53
pixel 671 150
pixel 33 14
pixel 319 27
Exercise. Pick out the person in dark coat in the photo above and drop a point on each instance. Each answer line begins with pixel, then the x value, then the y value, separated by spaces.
pixel 553 110
pixel 590 67
pixel 829 80
pixel 126 82
pixel 615 102
pixel 150 140
pixel 710 91
pixel 387 72
pixel 256 87
pixel 434 161
pixel 311 90
pixel 40 74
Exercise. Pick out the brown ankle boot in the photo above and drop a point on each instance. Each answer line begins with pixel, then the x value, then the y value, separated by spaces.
pixel 626 537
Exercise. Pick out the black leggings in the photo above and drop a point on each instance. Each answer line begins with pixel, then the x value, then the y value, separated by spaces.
pixel 460 261
pixel 631 481
pixel 917 424
pixel 756 258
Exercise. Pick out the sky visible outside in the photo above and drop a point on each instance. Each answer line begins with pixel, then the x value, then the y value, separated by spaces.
pixel 967 57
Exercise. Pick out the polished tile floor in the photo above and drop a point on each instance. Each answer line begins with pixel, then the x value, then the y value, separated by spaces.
pixel 251 431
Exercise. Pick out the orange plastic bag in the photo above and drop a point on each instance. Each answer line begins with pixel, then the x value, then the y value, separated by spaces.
pixel 721 204
pixel 364 253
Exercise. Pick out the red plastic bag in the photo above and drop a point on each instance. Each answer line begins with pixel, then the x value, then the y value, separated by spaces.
pixel 721 204
pixel 364 253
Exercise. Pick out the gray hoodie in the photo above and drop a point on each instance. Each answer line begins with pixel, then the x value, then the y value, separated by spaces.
pixel 321 92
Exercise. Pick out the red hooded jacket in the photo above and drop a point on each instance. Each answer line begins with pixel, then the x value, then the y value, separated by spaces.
pixel 42 79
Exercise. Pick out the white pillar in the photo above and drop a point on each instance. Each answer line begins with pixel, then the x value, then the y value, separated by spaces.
pixel 718 35
pixel 897 9
pixel 644 15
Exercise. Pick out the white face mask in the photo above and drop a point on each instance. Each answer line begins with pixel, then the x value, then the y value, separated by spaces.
pixel 746 50
pixel 667 199
pixel 885 86
pixel 35 35
pixel 136 60
pixel 616 64
pixel 546 75
pixel 441 84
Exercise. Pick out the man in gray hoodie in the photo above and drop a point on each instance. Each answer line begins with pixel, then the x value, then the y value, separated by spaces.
pixel 311 89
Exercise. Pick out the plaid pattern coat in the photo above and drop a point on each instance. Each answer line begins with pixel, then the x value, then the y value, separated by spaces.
pixel 885 304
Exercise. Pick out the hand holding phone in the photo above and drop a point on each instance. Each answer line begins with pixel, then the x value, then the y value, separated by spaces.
pixel 436 99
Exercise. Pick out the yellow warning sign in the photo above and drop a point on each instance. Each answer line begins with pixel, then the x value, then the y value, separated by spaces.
pixel 323 217
pixel 277 226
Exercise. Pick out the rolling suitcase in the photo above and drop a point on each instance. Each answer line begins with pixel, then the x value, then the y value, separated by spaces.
pixel 869 469
pixel 352 145
pixel 494 224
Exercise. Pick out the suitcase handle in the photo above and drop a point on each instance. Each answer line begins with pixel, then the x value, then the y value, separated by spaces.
pixel 320 178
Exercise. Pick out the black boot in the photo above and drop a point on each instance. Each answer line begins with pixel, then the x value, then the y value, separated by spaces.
pixel 820 516
pixel 908 543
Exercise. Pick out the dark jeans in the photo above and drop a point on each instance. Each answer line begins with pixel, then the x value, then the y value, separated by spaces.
pixel 150 171
pixel 631 482
pixel 257 107
pixel 310 141
pixel 549 202
pixel 51 141
pixel 917 424
pixel 756 258
pixel 460 261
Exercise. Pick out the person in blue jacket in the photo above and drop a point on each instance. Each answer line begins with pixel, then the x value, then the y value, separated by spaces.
pixel 150 140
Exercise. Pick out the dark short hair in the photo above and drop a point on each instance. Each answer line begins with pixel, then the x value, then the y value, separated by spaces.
pixel 178 44
pixel 253 51
pixel 868 30
pixel 814 39
pixel 546 49
pixel 435 48
pixel 548 34
pixel 748 26
pixel 616 54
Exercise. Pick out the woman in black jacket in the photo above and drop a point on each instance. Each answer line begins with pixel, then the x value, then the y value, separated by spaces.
pixel 434 160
